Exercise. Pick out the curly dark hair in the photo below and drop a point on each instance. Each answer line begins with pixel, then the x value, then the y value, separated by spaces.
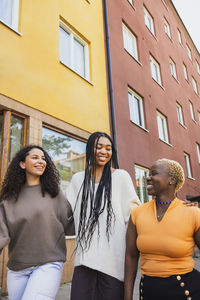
pixel 100 200
pixel 15 177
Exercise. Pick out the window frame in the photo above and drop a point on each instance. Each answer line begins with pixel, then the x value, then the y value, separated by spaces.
pixel 136 166
pixel 189 52
pixel 150 24
pixel 173 68
pixel 179 37
pixel 140 106
pixel 185 72
pixel 5 142
pixel 195 87
pixel 15 16
pixel 198 67
pixel 179 110
pixel 188 165
pixel 192 111
pixel 198 152
pixel 165 135
pixel 74 36
pixel 125 31
pixel 167 28
pixel 157 68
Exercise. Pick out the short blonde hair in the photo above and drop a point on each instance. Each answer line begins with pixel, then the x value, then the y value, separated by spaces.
pixel 175 171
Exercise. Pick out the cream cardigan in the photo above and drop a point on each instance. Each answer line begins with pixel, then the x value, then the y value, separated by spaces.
pixel 104 256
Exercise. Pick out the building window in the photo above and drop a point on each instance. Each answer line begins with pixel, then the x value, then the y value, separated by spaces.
pixel 13 134
pixel 136 108
pixel 192 111
pixel 185 72
pixel 179 36
pixel 9 12
pixel 188 165
pixel 163 1
pixel 130 42
pixel 179 113
pixel 149 21
pixel 194 84
pixel 167 28
pixel 189 52
pixel 141 175
pixel 155 70
pixel 198 67
pixel 173 68
pixel 74 51
pixel 162 127
pixel 67 153
pixel 17 135
pixel 198 152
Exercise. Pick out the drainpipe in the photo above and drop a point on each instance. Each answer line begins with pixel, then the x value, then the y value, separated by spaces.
pixel 110 76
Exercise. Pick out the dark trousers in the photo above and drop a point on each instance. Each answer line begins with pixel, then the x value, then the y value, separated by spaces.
pixel 176 287
pixel 89 284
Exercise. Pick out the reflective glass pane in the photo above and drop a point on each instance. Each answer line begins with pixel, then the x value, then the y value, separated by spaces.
pixel 16 135
pixel 65 47
pixel 79 60
pixel 6 11
pixel 68 154
pixel 141 184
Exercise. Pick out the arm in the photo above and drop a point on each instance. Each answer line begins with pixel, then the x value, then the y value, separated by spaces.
pixel 4 233
pixel 131 260
pixel 197 238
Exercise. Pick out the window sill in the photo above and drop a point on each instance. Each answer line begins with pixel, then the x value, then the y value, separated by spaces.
pixel 160 85
pixel 77 73
pixel 134 58
pixel 10 27
pixel 183 125
pixel 143 128
pixel 175 79
pixel 166 143
pixel 194 121
pixel 169 37
pixel 151 33
pixel 132 5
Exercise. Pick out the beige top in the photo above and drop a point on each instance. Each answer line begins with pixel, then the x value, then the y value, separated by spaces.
pixel 35 228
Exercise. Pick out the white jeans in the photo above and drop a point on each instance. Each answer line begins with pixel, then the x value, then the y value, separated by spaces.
pixel 35 283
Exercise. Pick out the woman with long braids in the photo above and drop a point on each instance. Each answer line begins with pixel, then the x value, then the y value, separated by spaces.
pixel 101 198
pixel 34 218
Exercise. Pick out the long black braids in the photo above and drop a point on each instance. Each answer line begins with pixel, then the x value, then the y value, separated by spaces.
pixel 93 203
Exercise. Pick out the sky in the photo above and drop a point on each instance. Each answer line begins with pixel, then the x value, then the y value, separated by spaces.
pixel 189 11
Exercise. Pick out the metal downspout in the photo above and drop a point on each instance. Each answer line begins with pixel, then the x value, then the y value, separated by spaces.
pixel 110 76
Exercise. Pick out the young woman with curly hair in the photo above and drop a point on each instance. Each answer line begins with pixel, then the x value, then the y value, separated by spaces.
pixel 101 198
pixel 163 232
pixel 34 219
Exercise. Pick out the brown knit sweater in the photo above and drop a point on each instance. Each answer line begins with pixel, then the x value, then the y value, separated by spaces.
pixel 35 228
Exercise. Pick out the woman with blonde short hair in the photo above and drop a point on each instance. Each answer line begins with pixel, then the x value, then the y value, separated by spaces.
pixel 163 232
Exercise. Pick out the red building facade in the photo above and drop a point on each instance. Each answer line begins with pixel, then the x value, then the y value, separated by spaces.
pixel 156 86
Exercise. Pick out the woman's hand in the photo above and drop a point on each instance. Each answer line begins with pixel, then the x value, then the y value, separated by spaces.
pixel 189 203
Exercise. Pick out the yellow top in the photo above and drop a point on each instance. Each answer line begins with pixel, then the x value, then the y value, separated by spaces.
pixel 166 247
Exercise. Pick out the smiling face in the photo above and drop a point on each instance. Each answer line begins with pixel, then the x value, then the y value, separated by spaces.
pixel 103 151
pixel 34 164
pixel 158 181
